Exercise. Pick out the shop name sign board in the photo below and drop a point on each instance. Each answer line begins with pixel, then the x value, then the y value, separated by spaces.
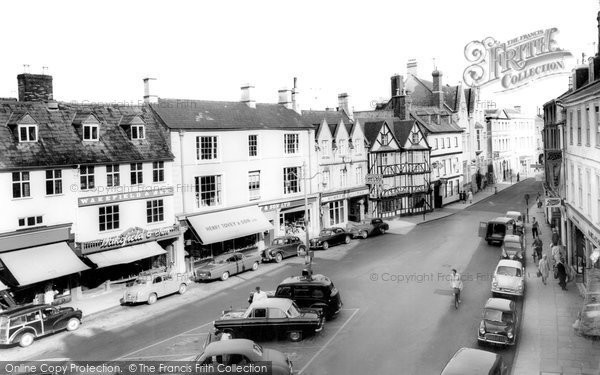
pixel 345 195
pixel 230 224
pixel 552 202
pixel 277 206
pixel 586 228
pixel 131 236
pixel 129 196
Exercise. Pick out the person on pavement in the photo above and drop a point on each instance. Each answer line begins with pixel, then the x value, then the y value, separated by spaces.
pixel 456 283
pixel 562 275
pixel 470 196
pixel 557 255
pixel 555 236
pixel 535 228
pixel 537 248
pixel 259 295
pixel 544 267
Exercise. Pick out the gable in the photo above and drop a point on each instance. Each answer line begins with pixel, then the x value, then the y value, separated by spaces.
pixel 323 133
pixel 27 120
pixel 357 131
pixel 341 132
pixel 385 132
pixel 415 132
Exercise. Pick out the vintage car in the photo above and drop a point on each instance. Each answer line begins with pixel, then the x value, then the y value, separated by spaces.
pixel 519 221
pixel 283 247
pixel 467 361
pixel 509 278
pixel 499 323
pixel 513 247
pixel 240 352
pixel 23 324
pixel 226 265
pixel 366 228
pixel 314 291
pixel 330 236
pixel 149 287
pixel 271 317
pixel 493 231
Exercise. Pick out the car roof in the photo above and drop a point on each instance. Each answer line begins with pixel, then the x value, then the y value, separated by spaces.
pixel 22 309
pixel 281 303
pixel 510 263
pixel 512 238
pixel 501 304
pixel 231 346
pixel 282 237
pixel 501 219
pixel 316 279
pixel 468 361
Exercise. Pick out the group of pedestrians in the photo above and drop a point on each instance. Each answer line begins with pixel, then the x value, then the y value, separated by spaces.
pixel 556 264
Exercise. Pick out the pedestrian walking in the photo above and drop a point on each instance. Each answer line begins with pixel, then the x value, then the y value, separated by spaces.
pixel 562 275
pixel 470 196
pixel 535 229
pixel 555 236
pixel 544 268
pixel 557 254
pixel 537 248
pixel 257 296
pixel 518 177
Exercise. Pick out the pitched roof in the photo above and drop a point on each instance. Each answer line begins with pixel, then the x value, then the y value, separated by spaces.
pixel 401 129
pixel 333 118
pixel 443 127
pixel 60 140
pixel 422 95
pixel 371 129
pixel 204 114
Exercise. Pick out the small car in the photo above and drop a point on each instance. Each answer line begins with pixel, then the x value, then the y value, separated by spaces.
pixel 366 228
pixel 509 278
pixel 271 317
pixel 24 324
pixel 314 291
pixel 500 322
pixel 513 247
pixel 494 230
pixel 149 287
pixel 330 236
pixel 283 247
pixel 241 352
pixel 467 361
pixel 518 219
pixel 226 265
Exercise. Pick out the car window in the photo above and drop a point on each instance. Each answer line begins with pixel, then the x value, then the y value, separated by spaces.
pixel 257 349
pixel 302 291
pixel 260 313
pixel 284 291
pixel 498 316
pixel 318 293
pixel 275 313
pixel 293 311
pixel 512 245
pixel 508 271
pixel 295 240
pixel 376 221
pixel 339 230
pixel 326 232
pixel 157 280
pixel 278 241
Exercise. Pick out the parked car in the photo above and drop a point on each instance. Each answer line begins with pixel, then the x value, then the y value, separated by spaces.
pixel 330 236
pixel 24 324
pixel 494 230
pixel 283 247
pixel 467 361
pixel 314 291
pixel 271 317
pixel 518 219
pixel 366 228
pixel 513 248
pixel 499 323
pixel 149 287
pixel 509 278
pixel 226 265
pixel 241 352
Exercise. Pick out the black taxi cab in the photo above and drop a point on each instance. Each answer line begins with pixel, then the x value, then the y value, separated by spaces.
pixel 493 231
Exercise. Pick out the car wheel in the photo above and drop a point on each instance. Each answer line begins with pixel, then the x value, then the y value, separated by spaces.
pixel 295 336
pixel 347 240
pixel 325 245
pixel 382 230
pixel 26 339
pixel 254 266
pixel 278 258
pixel 73 324
pixel 152 299
pixel 364 234
pixel 182 289
pixel 225 276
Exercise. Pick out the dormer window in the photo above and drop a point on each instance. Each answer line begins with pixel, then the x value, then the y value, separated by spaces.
pixel 28 133
pixel 137 131
pixel 90 126
pixel 90 132
pixel 134 126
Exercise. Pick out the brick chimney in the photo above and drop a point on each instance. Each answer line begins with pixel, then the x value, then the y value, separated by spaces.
pixel 397 85
pixel 437 89
pixel 148 98
pixel 248 95
pixel 285 98
pixel 344 104
pixel 35 87
pixel 401 106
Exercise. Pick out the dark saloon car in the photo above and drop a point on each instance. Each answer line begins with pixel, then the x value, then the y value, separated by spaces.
pixel 242 352
pixel 494 230
pixel 24 324
pixel 283 247
pixel 467 361
pixel 499 323
pixel 513 248
pixel 316 291
pixel 367 228
pixel 271 317
pixel 330 236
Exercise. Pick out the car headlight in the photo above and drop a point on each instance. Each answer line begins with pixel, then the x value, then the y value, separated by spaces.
pixel 520 287
pixel 482 328
pixel 509 334
pixel 494 283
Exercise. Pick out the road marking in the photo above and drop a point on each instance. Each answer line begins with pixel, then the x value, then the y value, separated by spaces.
pixel 166 355
pixel 162 341
pixel 328 342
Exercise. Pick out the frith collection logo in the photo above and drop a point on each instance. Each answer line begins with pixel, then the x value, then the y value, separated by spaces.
pixel 515 63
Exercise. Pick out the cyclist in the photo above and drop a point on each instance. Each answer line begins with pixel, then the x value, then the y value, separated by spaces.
pixel 457 285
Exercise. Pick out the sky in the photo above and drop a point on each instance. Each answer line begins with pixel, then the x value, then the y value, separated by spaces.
pixel 101 51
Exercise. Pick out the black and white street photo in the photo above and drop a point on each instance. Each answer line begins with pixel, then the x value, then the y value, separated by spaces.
pixel 306 188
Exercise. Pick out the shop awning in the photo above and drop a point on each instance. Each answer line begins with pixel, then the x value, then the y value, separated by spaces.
pixel 229 224
pixel 41 263
pixel 126 254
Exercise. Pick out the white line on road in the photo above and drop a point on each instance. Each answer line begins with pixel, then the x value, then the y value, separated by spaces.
pixel 328 342
pixel 166 355
pixel 162 341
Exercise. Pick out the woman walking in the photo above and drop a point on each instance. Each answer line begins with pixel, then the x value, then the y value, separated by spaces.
pixel 562 275
pixel 544 267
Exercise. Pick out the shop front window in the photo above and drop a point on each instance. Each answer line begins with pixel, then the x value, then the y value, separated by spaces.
pixel 336 212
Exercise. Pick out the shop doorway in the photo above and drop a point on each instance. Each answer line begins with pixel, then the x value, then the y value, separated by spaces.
pixel 293 222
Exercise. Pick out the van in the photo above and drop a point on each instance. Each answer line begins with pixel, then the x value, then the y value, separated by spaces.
pixel 494 230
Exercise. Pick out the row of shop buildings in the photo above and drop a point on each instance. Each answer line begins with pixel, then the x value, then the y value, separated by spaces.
pixel 572 167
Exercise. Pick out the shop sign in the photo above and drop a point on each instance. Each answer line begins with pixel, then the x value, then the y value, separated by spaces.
pixel 131 236
pixel 345 195
pixel 152 192
pixel 589 232
pixel 277 206
pixel 553 202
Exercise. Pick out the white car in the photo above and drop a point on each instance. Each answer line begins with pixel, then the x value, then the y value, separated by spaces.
pixel 509 278
pixel 518 218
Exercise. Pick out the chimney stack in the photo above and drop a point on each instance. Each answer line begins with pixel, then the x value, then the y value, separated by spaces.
pixel 437 88
pixel 248 95
pixel 411 67
pixel 285 98
pixel 518 108
pixel 344 104
pixel 401 106
pixel 35 87
pixel 397 85
pixel 295 95
pixel 147 97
